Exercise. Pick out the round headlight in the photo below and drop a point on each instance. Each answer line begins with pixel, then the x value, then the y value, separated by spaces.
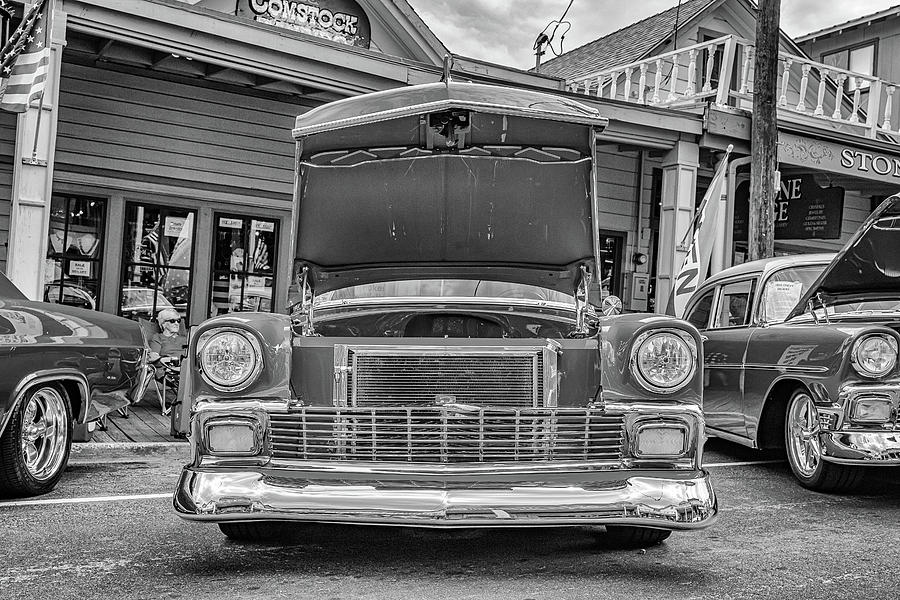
pixel 874 355
pixel 229 359
pixel 664 361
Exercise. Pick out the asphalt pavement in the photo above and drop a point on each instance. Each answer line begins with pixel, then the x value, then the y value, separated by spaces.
pixel 108 531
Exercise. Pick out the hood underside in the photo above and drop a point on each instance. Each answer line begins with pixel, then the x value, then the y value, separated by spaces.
pixel 867 268
pixel 460 181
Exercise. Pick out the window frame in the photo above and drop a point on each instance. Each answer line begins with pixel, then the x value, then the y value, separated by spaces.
pixel 128 259
pixel 97 260
pixel 849 84
pixel 749 318
pixel 245 230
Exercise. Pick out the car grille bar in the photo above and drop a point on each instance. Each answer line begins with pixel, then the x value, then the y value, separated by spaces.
pixel 447 434
pixel 381 376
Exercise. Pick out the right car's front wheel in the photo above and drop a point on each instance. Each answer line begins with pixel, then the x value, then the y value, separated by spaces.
pixel 629 536
pixel 804 450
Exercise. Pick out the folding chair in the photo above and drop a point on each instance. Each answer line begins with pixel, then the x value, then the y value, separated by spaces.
pixel 163 374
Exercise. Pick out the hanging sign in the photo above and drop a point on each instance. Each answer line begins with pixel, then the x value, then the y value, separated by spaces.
pixel 342 21
pixel 803 210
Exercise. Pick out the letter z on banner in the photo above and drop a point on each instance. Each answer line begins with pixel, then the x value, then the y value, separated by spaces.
pixel 702 233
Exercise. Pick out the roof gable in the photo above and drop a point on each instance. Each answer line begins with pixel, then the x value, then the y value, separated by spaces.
pixel 627 45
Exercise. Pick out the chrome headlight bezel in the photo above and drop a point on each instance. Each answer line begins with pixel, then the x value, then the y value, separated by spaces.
pixel 256 351
pixel 680 335
pixel 859 363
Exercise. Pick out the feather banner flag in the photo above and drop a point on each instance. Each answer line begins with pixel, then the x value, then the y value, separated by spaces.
pixel 702 233
pixel 25 59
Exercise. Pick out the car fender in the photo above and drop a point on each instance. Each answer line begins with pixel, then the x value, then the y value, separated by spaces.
pixel 46 376
pixel 617 337
pixel 272 331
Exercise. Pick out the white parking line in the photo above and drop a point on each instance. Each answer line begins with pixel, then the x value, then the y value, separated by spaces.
pixel 741 464
pixel 169 494
pixel 86 500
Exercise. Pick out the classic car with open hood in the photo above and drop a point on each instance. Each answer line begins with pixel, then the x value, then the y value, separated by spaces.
pixel 801 353
pixel 62 367
pixel 441 366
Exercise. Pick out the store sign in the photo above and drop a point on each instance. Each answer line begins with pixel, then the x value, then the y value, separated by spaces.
pixel 342 21
pixel 230 223
pixel 79 268
pixel 838 158
pixel 803 210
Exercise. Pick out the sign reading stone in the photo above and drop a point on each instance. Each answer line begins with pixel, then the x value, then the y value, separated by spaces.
pixel 803 210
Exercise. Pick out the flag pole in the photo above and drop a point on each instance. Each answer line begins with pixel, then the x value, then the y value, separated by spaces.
pixel 48 35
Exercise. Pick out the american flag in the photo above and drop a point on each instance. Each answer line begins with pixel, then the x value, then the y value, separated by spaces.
pixel 261 256
pixel 24 60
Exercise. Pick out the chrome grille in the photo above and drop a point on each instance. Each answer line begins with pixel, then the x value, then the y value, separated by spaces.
pixel 446 434
pixel 416 377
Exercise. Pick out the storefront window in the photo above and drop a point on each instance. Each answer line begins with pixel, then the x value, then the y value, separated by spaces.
pixel 158 261
pixel 72 273
pixel 244 257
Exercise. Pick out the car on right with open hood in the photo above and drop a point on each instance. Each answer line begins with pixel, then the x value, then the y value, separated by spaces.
pixel 800 352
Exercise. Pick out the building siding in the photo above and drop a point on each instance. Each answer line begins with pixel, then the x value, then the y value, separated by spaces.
pixel 152 128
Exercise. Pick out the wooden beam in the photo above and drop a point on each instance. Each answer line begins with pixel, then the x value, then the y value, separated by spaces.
pixel 764 132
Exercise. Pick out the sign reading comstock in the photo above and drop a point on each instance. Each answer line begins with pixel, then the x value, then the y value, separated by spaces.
pixel 803 210
pixel 341 21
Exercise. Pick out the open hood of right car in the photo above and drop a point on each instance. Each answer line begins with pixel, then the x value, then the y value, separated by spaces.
pixel 867 268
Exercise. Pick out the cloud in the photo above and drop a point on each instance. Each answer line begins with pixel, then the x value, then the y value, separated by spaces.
pixel 503 31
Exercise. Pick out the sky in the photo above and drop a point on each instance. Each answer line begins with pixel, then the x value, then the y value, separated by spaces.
pixel 503 31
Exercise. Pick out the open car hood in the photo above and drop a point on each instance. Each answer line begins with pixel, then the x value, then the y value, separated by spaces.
pixel 446 180
pixel 867 268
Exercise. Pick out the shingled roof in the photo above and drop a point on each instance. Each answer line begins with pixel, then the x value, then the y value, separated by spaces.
pixel 627 45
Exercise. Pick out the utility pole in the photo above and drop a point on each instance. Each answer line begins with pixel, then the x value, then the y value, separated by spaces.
pixel 764 132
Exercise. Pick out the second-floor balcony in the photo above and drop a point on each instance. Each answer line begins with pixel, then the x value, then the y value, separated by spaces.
pixel 721 71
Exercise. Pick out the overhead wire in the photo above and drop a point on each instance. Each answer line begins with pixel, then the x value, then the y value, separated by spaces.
pixel 544 38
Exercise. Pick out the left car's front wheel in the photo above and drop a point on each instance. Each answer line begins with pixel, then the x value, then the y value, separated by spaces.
pixel 35 448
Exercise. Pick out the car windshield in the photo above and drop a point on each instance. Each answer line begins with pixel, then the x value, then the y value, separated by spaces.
pixel 447 288
pixel 143 297
pixel 784 289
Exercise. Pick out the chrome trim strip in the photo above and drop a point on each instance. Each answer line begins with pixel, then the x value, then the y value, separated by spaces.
pixel 784 368
pixel 44 376
pixel 731 437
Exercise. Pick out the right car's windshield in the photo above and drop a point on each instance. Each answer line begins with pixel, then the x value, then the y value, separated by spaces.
pixel 446 288
pixel 784 289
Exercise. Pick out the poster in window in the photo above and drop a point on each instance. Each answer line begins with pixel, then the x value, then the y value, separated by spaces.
pixel 174 226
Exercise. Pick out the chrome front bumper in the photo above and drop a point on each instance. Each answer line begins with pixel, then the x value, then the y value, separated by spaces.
pixel 663 500
pixel 874 448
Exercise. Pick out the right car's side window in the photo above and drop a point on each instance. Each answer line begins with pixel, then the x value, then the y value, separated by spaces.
pixel 734 304
pixel 783 290
pixel 698 316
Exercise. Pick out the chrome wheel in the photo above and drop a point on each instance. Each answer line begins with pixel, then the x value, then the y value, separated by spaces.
pixel 45 433
pixel 803 435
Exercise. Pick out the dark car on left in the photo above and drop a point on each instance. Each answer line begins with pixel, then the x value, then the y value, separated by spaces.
pixel 60 367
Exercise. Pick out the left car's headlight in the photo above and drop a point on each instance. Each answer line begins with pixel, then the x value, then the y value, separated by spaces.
pixel 664 361
pixel 874 355
pixel 230 359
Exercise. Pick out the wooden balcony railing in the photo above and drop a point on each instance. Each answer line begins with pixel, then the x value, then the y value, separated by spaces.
pixel 721 71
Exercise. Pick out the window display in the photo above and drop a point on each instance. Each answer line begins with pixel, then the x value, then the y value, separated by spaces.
pixel 243 261
pixel 72 271
pixel 158 261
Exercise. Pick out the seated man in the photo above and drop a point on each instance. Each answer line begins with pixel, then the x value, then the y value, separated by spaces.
pixel 167 345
